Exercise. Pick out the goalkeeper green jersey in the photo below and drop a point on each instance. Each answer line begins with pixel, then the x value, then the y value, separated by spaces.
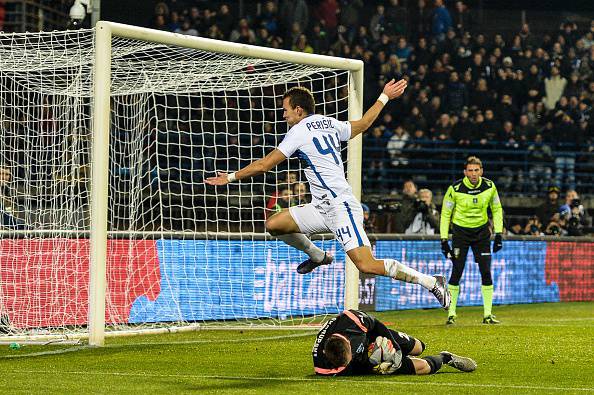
pixel 466 206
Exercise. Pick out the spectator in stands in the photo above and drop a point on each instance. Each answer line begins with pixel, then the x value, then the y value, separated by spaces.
pixel 417 151
pixel 300 195
pixel 224 20
pixel 415 120
pixel 319 39
pixel 463 133
pixel 377 25
pixel 408 206
pixel 396 16
pixel 549 207
pixel 566 142
pixel 395 147
pixel 207 21
pixel 426 219
pixel 215 33
pixel 456 94
pixel 421 20
pixel 350 11
pixel 196 20
pixel 187 28
pixel 302 45
pixel 243 34
pixel 174 21
pixel 443 129
pixel 525 130
pixel 586 70
pixel 286 184
pixel 293 35
pixel 403 51
pixel 374 156
pixel 515 227
pixel 326 12
pixel 462 18
pixel 554 86
pixel 292 11
pixel 269 19
pixel 285 200
pixel 8 220
pixel 540 157
pixel 441 21
pixel 160 23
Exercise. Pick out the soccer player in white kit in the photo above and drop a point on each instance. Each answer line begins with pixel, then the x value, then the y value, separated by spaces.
pixel 316 140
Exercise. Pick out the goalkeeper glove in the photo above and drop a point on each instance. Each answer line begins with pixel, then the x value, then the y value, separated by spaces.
pixel 386 368
pixel 384 357
pixel 379 350
pixel 446 249
pixel 498 243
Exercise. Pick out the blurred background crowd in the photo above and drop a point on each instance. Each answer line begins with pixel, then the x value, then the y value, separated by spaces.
pixel 521 101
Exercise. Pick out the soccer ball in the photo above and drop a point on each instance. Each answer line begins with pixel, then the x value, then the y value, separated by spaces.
pixel 380 350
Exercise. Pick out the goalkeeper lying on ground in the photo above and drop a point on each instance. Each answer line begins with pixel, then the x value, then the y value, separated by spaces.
pixel 356 343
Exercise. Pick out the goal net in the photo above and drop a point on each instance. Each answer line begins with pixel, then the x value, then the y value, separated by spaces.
pixel 178 252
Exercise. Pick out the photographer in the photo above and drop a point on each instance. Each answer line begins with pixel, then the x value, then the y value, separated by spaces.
pixel 557 226
pixel 575 215
pixel 426 220
pixel 388 206
pixel 533 227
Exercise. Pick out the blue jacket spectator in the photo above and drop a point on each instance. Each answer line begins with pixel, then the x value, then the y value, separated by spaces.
pixel 441 22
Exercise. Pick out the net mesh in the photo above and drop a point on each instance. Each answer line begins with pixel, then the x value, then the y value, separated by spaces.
pixel 178 251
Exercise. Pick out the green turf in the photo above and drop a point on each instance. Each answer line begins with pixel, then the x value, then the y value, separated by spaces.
pixel 545 348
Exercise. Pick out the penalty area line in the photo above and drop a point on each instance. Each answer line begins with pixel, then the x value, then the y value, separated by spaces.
pixel 302 379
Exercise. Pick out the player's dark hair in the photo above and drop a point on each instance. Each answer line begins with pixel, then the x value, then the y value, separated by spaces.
pixel 473 160
pixel 336 351
pixel 302 97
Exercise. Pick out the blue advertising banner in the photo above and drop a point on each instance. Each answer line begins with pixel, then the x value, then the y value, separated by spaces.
pixel 232 279
pixel 518 275
pixel 204 280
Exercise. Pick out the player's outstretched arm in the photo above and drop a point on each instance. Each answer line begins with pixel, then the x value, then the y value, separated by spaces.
pixel 255 168
pixel 392 90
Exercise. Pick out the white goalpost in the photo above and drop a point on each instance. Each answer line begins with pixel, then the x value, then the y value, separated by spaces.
pixel 107 226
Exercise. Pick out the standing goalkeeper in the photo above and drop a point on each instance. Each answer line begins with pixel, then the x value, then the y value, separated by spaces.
pixel 468 200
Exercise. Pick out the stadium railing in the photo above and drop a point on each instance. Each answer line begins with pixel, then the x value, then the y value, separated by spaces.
pixel 437 164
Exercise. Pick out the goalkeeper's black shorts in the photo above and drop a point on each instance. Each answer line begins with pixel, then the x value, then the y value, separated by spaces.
pixel 406 342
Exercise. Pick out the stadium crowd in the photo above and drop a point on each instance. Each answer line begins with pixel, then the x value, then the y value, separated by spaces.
pixel 523 103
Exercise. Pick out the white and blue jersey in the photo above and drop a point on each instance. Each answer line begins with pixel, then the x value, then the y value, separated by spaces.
pixel 316 141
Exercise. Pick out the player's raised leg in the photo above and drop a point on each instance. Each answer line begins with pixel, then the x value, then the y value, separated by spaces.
pixel 366 263
pixel 285 228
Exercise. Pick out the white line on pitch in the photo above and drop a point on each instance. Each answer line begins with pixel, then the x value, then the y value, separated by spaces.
pixel 302 379
pixel 42 353
pixel 80 348
pixel 241 340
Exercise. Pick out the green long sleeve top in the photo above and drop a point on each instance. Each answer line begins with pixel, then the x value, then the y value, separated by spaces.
pixel 466 206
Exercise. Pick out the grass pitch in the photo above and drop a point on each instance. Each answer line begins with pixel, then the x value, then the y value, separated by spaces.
pixel 545 348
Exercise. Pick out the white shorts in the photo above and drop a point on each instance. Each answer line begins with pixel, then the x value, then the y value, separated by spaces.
pixel 341 216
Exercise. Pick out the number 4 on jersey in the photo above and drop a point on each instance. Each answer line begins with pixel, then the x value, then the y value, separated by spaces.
pixel 330 148
pixel 345 231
